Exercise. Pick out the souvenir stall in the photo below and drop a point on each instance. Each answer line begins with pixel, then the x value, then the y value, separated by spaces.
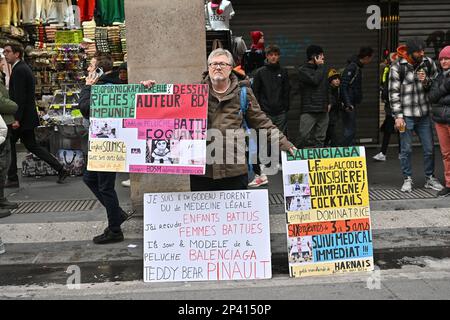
pixel 60 38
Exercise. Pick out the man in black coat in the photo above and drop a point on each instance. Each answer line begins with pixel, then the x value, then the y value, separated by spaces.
pixel 351 89
pixel 314 92
pixel 22 91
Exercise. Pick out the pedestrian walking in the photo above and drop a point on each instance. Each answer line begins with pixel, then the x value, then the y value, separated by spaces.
pixel 410 81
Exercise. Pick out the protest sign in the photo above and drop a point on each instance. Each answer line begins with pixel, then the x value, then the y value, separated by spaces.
pixel 328 215
pixel 161 129
pixel 197 236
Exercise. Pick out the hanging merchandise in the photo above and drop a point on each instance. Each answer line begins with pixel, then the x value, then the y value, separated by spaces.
pixel 87 8
pixel 57 11
pixel 9 12
pixel 110 11
pixel 218 14
pixel 29 11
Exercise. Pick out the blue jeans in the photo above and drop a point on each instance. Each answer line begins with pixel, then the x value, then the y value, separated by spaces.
pixel 349 123
pixel 423 128
pixel 102 184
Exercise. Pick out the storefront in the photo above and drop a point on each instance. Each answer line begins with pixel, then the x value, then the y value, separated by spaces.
pixel 60 37
pixel 338 26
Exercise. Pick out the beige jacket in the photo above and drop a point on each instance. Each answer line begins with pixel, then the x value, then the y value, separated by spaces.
pixel 225 114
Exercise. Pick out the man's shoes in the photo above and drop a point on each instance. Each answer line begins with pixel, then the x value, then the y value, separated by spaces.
pixel 62 175
pixel 379 157
pixel 444 192
pixel 108 236
pixel 12 184
pixel 259 181
pixel 433 183
pixel 126 183
pixel 407 185
pixel 4 213
pixel 127 215
pixel 5 204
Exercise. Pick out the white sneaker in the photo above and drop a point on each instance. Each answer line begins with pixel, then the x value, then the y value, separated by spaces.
pixel 433 183
pixel 407 185
pixel 258 181
pixel 379 157
pixel 126 183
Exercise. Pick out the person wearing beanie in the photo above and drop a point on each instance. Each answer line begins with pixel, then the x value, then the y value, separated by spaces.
pixel 254 58
pixel 334 108
pixel 410 81
pixel 440 99
pixel 351 89
pixel 314 99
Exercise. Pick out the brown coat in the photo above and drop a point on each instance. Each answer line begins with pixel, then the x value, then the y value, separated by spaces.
pixel 224 115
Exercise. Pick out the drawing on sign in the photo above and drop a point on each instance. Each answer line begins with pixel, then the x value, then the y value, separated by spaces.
pixel 158 151
pixel 163 127
pixel 328 214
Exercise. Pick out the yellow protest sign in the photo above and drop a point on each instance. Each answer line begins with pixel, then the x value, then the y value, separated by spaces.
pixel 107 155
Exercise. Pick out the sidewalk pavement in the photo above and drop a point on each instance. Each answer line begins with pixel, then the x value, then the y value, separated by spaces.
pixel 64 238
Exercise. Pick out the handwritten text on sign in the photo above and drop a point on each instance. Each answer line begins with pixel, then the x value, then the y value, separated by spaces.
pixel 197 236
pixel 163 127
pixel 328 214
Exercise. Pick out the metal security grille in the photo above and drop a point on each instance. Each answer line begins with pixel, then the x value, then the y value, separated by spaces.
pixel 374 195
pixel 56 206
pixel 394 194
pixel 276 198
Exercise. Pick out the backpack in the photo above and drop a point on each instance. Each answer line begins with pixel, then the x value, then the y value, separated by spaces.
pixel 341 72
pixel 252 143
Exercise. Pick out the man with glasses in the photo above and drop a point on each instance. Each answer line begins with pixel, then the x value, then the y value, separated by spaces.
pixel 22 91
pixel 227 171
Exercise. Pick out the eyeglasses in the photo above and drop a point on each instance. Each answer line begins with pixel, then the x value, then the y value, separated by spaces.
pixel 219 64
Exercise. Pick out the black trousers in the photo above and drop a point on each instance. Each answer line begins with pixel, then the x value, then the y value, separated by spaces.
pixel 102 184
pixel 202 183
pixel 29 140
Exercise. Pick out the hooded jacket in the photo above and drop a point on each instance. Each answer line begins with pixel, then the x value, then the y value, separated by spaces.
pixel 84 103
pixel 409 96
pixel 224 116
pixel 351 85
pixel 440 98
pixel 314 88
pixel 271 88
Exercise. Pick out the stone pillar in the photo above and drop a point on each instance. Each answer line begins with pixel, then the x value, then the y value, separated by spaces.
pixel 166 42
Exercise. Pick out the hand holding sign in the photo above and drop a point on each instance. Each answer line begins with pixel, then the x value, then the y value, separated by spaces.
pixel 148 83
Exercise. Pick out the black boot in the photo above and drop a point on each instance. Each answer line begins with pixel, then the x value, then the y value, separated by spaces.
pixel 127 215
pixel 62 175
pixel 5 204
pixel 108 236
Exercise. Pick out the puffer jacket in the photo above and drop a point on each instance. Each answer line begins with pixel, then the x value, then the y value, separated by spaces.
pixel 440 98
pixel 314 88
pixel 224 115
